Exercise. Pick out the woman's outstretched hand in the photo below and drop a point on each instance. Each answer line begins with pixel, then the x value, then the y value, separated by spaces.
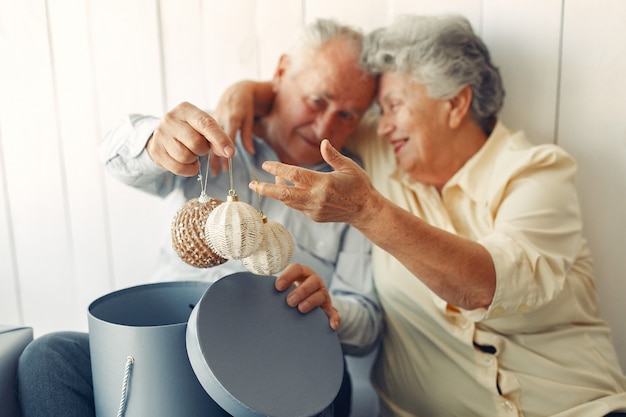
pixel 344 195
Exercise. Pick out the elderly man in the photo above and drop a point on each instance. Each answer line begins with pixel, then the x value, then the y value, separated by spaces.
pixel 321 91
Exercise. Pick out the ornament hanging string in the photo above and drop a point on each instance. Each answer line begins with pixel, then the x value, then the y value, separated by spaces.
pixel 231 192
pixel 258 196
pixel 203 196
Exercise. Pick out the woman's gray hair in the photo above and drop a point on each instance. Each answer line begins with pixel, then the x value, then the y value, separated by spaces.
pixel 444 54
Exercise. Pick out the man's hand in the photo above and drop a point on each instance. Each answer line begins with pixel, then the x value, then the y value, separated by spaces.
pixel 184 134
pixel 309 292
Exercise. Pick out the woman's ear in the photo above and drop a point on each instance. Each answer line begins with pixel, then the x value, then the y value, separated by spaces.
pixel 460 106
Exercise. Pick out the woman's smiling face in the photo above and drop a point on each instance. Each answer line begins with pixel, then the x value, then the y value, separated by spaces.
pixel 416 126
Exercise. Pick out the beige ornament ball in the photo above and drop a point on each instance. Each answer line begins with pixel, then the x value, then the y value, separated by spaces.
pixel 234 229
pixel 275 251
pixel 188 238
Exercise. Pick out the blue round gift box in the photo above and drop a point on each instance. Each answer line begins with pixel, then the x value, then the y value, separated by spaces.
pixel 233 347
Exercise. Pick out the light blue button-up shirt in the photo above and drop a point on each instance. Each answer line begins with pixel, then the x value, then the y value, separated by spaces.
pixel 337 252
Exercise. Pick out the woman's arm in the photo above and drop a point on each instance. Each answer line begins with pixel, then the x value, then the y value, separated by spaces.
pixel 240 104
pixel 458 270
pixel 237 109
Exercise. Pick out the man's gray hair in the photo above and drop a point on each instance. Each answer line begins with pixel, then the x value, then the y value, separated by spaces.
pixel 317 33
pixel 444 54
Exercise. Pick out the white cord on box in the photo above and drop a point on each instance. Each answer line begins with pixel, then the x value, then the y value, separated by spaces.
pixel 127 370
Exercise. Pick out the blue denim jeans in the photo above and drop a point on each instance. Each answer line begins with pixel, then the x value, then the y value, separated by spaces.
pixel 54 378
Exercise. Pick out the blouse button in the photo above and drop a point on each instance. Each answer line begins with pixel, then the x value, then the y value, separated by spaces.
pixel 508 406
pixel 497 311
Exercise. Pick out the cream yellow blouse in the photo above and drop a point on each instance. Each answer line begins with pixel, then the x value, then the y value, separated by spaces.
pixel 540 348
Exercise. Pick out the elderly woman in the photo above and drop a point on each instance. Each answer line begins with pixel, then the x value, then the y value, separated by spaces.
pixel 480 263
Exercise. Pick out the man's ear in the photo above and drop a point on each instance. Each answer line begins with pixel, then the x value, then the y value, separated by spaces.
pixel 281 70
pixel 460 106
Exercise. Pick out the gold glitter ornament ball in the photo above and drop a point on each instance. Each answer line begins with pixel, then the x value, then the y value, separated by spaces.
pixel 275 251
pixel 188 239
pixel 234 229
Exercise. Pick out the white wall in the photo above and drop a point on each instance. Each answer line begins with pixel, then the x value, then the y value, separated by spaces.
pixel 70 68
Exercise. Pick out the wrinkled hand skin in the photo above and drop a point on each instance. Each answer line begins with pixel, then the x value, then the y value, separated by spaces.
pixel 310 291
pixel 184 134
pixel 338 196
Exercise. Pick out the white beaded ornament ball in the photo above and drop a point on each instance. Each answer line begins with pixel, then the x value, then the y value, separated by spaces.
pixel 188 239
pixel 234 229
pixel 275 251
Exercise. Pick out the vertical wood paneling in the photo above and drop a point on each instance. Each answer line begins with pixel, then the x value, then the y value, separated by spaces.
pixel 126 50
pixel 10 300
pixel 354 13
pixel 183 39
pixel 592 126
pixel 34 168
pixel 232 46
pixel 523 37
pixel 276 32
pixel 125 42
pixel 76 118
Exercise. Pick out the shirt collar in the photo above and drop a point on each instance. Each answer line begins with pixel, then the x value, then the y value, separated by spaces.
pixel 473 177
pixel 474 174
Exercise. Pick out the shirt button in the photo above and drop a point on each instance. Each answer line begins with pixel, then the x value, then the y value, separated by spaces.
pixel 523 308
pixel 488 361
pixel 319 245
pixel 508 406
pixel 497 311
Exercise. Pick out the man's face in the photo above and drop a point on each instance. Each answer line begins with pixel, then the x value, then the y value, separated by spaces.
pixel 321 96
